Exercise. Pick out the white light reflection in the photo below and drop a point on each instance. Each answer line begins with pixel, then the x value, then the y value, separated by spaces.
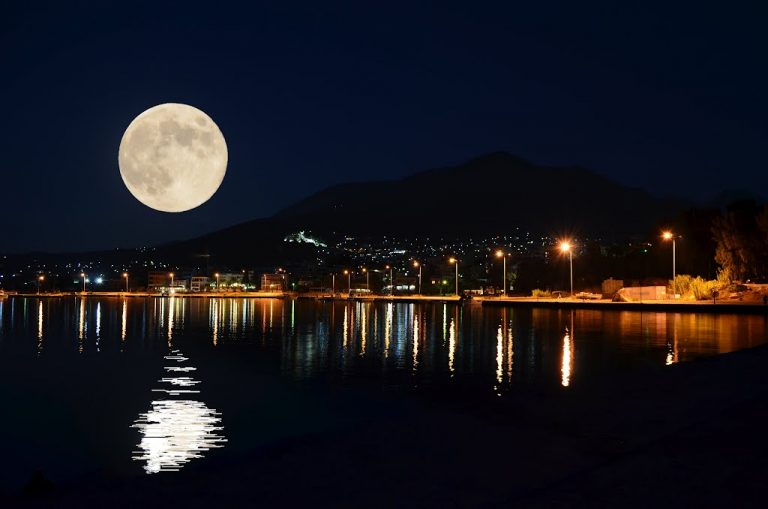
pixel 81 325
pixel 124 320
pixel 215 320
pixel 451 345
pixel 415 342
pixel 499 356
pixel 345 326
pixel 98 324
pixel 363 329
pixel 387 329
pixel 445 322
pixel 510 351
pixel 176 431
pixel 170 319
pixel 565 369
pixel 39 327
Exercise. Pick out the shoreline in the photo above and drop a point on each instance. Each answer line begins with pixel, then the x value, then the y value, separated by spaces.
pixel 677 306
pixel 531 302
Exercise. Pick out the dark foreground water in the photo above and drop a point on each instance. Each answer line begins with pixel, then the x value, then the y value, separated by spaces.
pixel 125 387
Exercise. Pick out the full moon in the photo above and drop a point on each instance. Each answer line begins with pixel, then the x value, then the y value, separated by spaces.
pixel 172 157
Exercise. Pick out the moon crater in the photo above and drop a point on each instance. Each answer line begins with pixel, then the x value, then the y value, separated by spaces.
pixel 173 157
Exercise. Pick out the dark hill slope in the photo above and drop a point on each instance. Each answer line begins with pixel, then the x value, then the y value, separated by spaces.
pixel 489 194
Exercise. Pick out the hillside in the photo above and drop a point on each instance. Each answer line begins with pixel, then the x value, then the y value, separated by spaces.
pixel 489 194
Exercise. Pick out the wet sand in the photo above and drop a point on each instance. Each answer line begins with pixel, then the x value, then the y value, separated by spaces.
pixel 691 434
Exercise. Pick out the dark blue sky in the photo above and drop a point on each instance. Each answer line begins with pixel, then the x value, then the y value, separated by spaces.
pixel 668 97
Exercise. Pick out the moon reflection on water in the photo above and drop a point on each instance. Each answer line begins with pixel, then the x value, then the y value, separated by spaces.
pixel 177 429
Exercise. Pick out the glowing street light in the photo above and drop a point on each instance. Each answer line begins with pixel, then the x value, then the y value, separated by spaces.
pixel 171 274
pixel 391 280
pixel 217 281
pixel 668 235
pixel 566 247
pixel 456 263
pixel 367 279
pixel 82 275
pixel 333 283
pixel 417 264
pixel 349 281
pixel 125 275
pixel 40 280
pixel 503 255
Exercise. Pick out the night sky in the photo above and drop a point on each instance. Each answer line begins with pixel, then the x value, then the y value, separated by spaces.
pixel 671 98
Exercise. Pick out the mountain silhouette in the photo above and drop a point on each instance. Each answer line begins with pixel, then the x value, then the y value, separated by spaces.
pixel 490 195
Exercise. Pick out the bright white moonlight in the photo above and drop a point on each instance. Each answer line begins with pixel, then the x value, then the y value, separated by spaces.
pixel 173 157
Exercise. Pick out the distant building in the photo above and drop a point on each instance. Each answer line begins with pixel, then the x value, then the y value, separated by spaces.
pixel 273 282
pixel 611 286
pixel 232 281
pixel 158 280
pixel 198 283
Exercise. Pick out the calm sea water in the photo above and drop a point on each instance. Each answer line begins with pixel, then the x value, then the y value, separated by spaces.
pixel 147 386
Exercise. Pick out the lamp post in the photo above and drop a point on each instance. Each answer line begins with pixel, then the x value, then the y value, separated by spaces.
pixel 566 247
pixel 333 283
pixel 501 254
pixel 391 280
pixel 456 263
pixel 670 236
pixel 82 275
pixel 367 279
pixel 171 274
pixel 417 264
pixel 125 275
pixel 40 280
pixel 217 281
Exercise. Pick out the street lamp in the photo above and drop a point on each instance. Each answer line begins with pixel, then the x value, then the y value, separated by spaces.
pixel 367 279
pixel 171 274
pixel 349 281
pixel 668 235
pixel 456 263
pixel 82 275
pixel 503 255
pixel 217 281
pixel 566 247
pixel 125 275
pixel 417 264
pixel 333 283
pixel 391 280
pixel 40 280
